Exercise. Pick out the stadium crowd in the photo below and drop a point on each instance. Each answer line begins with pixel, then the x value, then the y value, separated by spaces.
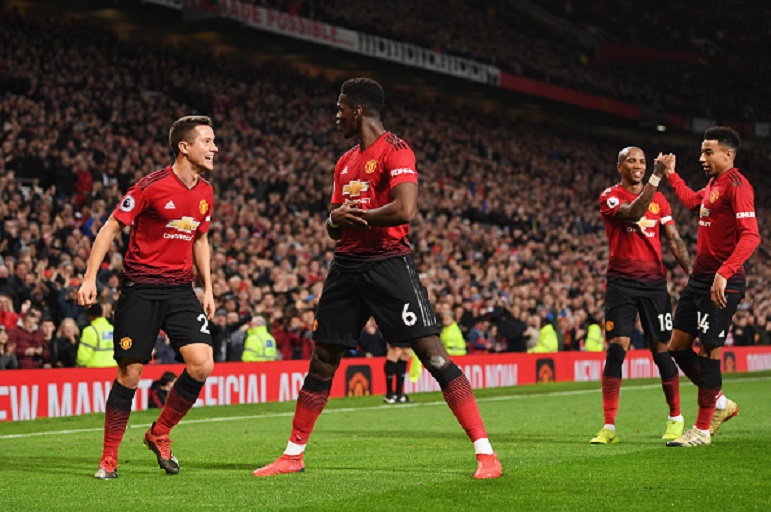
pixel 509 225
pixel 687 41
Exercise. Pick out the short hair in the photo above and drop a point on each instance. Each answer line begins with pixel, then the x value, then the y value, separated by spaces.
pixel 365 92
pixel 183 127
pixel 167 377
pixel 622 154
pixel 724 135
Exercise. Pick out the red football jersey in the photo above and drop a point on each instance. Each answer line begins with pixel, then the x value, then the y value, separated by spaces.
pixel 728 229
pixel 369 176
pixel 164 216
pixel 635 247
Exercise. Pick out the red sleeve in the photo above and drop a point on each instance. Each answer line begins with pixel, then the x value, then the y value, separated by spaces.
pixel 400 166
pixel 743 203
pixel 204 226
pixel 337 190
pixel 689 198
pixel 609 203
pixel 130 206
pixel 666 210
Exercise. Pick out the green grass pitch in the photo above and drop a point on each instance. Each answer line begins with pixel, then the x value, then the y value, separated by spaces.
pixel 365 455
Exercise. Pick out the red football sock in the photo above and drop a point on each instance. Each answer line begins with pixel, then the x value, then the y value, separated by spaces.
pixel 115 421
pixel 460 398
pixel 610 390
pixel 175 409
pixel 671 387
pixel 707 400
pixel 308 408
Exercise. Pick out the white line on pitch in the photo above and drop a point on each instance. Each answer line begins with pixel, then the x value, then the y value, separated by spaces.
pixel 358 409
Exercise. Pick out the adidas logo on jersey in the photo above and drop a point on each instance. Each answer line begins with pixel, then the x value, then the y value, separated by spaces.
pixel 170 206
pixel 345 171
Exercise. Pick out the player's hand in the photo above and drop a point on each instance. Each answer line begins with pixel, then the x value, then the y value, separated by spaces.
pixel 717 293
pixel 664 164
pixel 208 304
pixel 349 215
pixel 87 293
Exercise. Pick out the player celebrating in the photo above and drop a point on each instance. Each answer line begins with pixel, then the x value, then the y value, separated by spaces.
pixel 169 211
pixel 728 234
pixel 374 198
pixel 634 216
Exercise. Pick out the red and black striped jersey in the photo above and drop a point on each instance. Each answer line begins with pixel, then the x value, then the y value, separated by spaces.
pixel 165 216
pixel 369 176
pixel 728 230
pixel 635 247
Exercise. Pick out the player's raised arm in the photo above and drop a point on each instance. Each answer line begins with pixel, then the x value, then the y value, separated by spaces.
pixel 637 208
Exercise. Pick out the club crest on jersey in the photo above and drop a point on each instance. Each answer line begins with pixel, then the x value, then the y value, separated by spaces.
pixel 125 343
pixel 128 203
pixel 714 196
pixel 185 224
pixel 315 325
pixel 203 207
pixel 654 208
pixel 355 188
pixel 609 325
pixel 370 166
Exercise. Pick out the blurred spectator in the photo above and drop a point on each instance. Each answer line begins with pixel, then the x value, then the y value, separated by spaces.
pixel 163 352
pixel 96 340
pixel 8 359
pixel 64 348
pixel 594 340
pixel 371 341
pixel 260 344
pixel 235 336
pixel 743 330
pixel 548 340
pixel 451 335
pixel 31 349
pixel 510 329
pixel 8 316
pixel 159 390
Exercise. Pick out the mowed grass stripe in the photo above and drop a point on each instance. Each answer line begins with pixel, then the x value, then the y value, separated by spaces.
pixel 335 410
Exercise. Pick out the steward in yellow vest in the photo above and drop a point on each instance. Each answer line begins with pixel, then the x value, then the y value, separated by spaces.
pixel 594 340
pixel 451 336
pixel 96 349
pixel 260 345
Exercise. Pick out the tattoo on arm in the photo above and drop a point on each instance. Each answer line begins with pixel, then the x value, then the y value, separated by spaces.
pixel 678 248
pixel 636 209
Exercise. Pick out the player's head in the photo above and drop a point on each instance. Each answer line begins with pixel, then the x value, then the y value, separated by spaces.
pixel 718 150
pixel 359 98
pixel 631 165
pixel 192 138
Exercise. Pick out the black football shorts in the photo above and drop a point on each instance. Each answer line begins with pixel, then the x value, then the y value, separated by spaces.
pixel 698 316
pixel 622 307
pixel 141 313
pixel 389 290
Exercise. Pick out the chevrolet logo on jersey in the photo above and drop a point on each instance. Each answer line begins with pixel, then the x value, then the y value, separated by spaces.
pixel 355 188
pixel 704 212
pixel 185 224
pixel 645 223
